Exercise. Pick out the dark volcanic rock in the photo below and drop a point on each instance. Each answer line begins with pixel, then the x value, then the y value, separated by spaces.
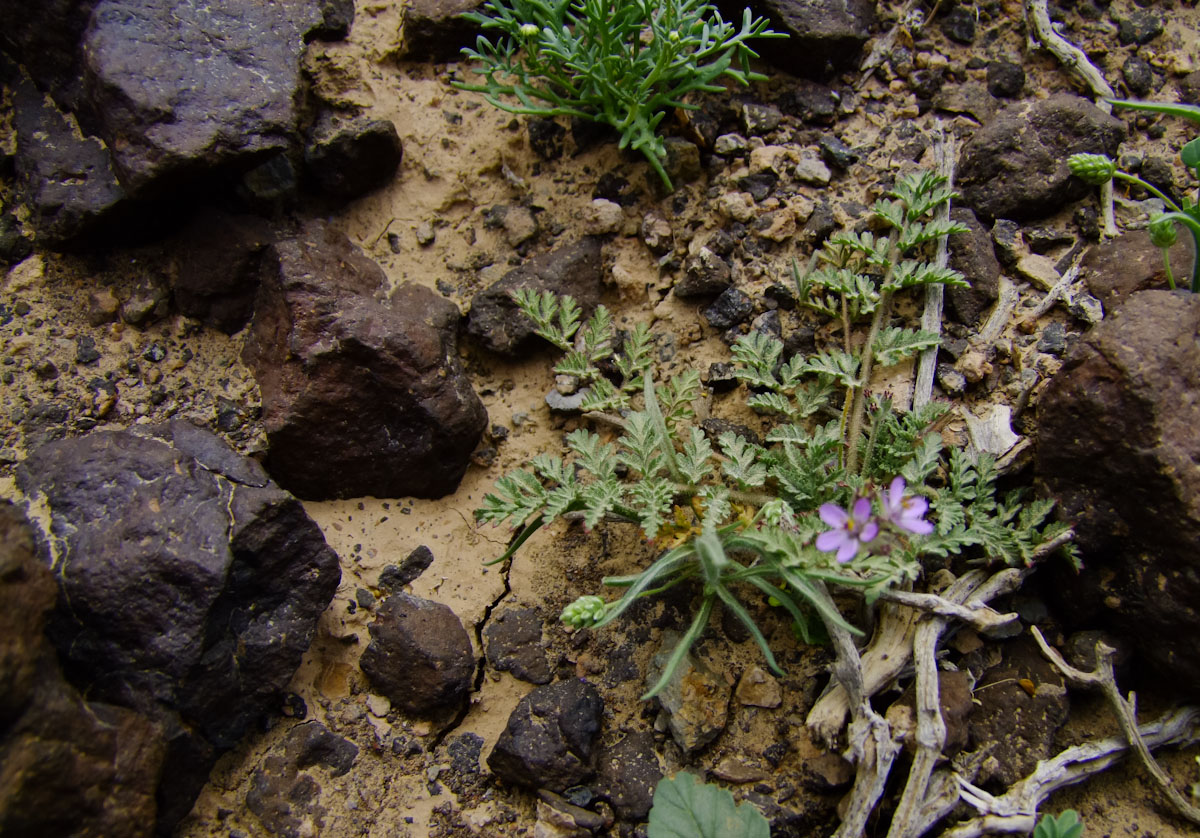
pixel 216 261
pixel 1015 166
pixel 1130 263
pixel 729 309
pixel 548 742
pixel 819 31
pixel 69 767
pixel 1117 446
pixel 704 274
pixel 67 181
pixel 1015 727
pixel 514 644
pixel 361 395
pixel 434 30
pixel 185 593
pixel 44 38
pixel 312 743
pixel 180 88
pixel 420 656
pixel 972 254
pixel 575 269
pixel 627 774
pixel 394 577
pixel 349 158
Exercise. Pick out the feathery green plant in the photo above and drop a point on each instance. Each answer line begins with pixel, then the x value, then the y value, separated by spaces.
pixel 1098 169
pixel 624 63
pixel 809 507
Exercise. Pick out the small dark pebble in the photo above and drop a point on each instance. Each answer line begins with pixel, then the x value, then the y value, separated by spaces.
pixel 154 353
pixel 364 598
pixel 959 25
pixel 21 308
pixel 45 370
pixel 85 350
pixel 1053 340
pixel 1138 75
pixel 729 309
pixel 721 378
pixel 1141 27
pixel 394 243
pixel 758 185
pixel 836 153
pixel 395 577
pixel 499 433
pixel 157 396
pixel 1005 80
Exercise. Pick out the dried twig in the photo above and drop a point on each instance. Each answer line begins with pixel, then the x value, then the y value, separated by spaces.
pixel 884 659
pixel 981 617
pixel 1037 16
pixel 1124 708
pixel 1015 812
pixel 967 593
pixel 946 153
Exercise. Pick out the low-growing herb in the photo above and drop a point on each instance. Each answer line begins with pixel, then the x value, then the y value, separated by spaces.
pixel 626 64
pixel 1098 169
pixel 844 490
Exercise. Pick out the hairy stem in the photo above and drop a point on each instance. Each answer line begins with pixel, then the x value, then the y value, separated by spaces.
pixel 859 392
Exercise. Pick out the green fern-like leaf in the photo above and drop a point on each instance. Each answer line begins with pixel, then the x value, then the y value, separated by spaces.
pixel 759 356
pixel 642 446
pixel 694 461
pixel 838 365
pixel 742 464
pixel 893 344
pixel 595 455
pixel 910 274
pixel 651 499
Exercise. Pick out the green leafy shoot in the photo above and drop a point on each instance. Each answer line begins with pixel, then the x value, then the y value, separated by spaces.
pixel 1098 169
pixel 684 807
pixel 1066 825
pixel 626 64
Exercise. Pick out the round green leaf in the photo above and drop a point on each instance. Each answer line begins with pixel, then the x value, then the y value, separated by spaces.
pixel 1190 154
pixel 686 808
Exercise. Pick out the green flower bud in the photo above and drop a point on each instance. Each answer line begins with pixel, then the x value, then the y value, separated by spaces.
pixel 585 612
pixel 1162 231
pixel 528 30
pixel 1096 169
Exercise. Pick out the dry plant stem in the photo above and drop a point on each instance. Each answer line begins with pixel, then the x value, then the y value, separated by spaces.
pixel 1006 301
pixel 873 748
pixel 1015 811
pixel 1060 291
pixel 907 821
pixel 1126 713
pixel 890 651
pixel 884 659
pixel 1075 60
pixel 945 153
pixel 977 615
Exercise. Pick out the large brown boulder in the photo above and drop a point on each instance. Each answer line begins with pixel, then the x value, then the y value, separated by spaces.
pixel 1118 448
pixel 362 393
pixel 68 767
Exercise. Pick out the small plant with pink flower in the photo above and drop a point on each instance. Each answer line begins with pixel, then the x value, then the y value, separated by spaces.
pixel 845 491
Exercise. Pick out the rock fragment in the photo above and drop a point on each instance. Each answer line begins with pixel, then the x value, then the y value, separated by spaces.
pixel 420 655
pixel 549 741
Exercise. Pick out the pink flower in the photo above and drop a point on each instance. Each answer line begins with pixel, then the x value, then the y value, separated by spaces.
pixel 850 529
pixel 906 513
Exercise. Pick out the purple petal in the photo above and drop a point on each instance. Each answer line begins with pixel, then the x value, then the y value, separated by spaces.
pixel 916 525
pixel 868 532
pixel 915 506
pixel 847 551
pixel 833 515
pixel 896 490
pixel 862 510
pixel 827 542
